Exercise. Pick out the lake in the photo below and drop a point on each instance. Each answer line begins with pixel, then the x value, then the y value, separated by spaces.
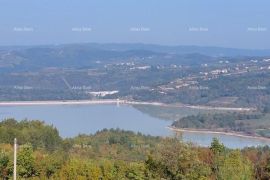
pixel 71 120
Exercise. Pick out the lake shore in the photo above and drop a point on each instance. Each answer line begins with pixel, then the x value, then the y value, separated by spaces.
pixel 206 131
pixel 117 102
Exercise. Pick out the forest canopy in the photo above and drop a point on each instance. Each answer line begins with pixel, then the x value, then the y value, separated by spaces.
pixel 117 154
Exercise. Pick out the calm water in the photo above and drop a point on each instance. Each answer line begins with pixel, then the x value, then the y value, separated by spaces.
pixel 71 120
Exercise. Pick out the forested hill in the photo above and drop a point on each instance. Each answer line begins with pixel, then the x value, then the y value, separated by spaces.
pixel 254 124
pixel 149 73
pixel 116 154
pixel 33 58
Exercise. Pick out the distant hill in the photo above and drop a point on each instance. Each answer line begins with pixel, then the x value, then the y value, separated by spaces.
pixel 27 58
pixel 210 51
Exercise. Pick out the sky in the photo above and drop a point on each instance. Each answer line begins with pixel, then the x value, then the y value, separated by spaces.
pixel 223 23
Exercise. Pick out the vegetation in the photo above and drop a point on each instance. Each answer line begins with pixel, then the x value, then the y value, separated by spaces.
pixel 70 72
pixel 116 154
pixel 251 123
pixel 36 133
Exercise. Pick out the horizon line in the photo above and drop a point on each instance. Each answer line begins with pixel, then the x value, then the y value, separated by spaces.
pixel 131 43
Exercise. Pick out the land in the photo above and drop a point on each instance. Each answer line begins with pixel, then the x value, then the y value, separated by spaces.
pixel 209 131
pixel 252 124
pixel 143 73
pixel 164 81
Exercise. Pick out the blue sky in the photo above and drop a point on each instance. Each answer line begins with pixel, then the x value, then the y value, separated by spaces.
pixel 226 23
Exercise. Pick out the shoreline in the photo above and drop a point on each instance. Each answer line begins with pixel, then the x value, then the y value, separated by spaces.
pixel 117 102
pixel 206 131
pixel 57 102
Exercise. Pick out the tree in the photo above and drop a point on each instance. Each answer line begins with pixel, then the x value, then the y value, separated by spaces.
pixel 50 164
pixel 235 167
pixel 107 169
pixel 4 160
pixel 79 169
pixel 135 171
pixel 174 160
pixel 26 162
pixel 216 146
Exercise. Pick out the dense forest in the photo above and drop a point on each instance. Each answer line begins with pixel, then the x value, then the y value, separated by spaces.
pixel 249 123
pixel 230 121
pixel 117 154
